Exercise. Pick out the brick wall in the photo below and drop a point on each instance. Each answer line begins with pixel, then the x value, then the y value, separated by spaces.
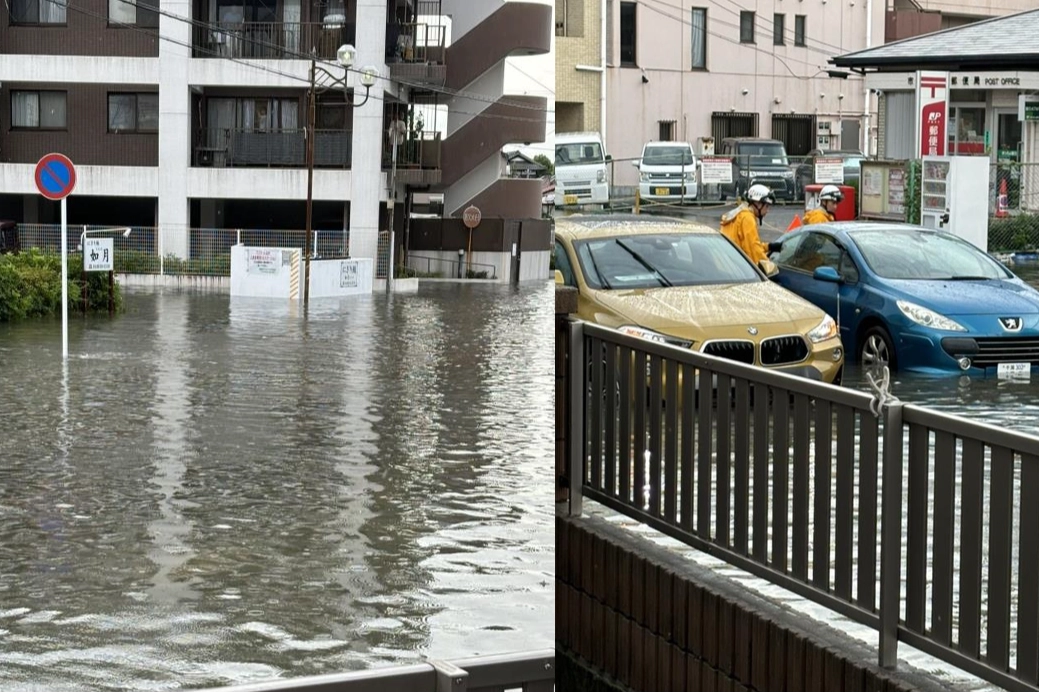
pixel 580 86
pixel 632 615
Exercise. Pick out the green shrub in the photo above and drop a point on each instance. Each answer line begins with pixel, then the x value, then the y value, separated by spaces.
pixel 30 286
pixel 1019 232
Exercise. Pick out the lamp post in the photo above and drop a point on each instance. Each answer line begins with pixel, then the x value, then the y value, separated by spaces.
pixel 345 56
pixel 125 231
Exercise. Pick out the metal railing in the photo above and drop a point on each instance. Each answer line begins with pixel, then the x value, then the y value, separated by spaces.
pixel 525 671
pixel 272 40
pixel 417 42
pixel 446 267
pixel 225 147
pixel 420 150
pixel 808 485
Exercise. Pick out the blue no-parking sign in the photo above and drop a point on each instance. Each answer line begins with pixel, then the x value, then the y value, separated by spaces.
pixel 55 176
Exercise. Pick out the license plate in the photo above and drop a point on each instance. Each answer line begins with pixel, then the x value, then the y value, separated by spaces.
pixel 661 191
pixel 570 199
pixel 1014 370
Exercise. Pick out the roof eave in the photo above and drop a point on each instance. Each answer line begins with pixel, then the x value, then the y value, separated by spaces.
pixel 1026 61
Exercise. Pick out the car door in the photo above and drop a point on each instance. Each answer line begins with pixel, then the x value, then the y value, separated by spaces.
pixel 799 260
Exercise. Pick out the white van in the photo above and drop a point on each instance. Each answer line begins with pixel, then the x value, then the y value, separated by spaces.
pixel 581 175
pixel 665 167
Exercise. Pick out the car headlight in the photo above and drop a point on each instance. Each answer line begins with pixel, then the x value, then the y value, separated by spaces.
pixel 643 177
pixel 827 329
pixel 600 176
pixel 928 318
pixel 636 331
pixel 788 174
pixel 690 176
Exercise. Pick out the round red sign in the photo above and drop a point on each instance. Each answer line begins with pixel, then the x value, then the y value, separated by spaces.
pixel 471 217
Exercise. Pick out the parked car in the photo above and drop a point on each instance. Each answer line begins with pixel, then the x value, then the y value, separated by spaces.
pixel 581 169
pixel 686 284
pixel 804 172
pixel 757 160
pixel 667 172
pixel 914 298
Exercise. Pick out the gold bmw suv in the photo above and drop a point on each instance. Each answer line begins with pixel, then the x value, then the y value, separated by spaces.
pixel 688 285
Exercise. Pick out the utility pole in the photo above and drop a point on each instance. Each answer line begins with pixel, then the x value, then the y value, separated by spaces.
pixel 392 204
pixel 310 184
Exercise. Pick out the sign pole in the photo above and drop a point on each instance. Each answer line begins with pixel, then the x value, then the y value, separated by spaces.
pixel 64 280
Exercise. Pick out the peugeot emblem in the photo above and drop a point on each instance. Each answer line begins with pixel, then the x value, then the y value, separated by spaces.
pixel 1011 324
pixel 752 330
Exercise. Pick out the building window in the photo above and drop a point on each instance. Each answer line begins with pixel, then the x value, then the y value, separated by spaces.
pixel 628 34
pixel 778 27
pixel 799 29
pixel 667 130
pixel 699 37
pixel 37 11
pixel 133 112
pixel 38 109
pixel 569 18
pixel 134 12
pixel 746 27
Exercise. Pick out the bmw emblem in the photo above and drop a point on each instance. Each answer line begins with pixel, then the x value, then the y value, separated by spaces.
pixel 752 330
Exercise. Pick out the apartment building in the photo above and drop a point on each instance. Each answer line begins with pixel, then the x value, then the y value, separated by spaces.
pixel 907 18
pixel 683 71
pixel 580 66
pixel 186 115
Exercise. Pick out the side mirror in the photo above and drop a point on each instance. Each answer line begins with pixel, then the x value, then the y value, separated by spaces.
pixel 826 274
pixel 768 267
pixel 636 163
pixel 609 157
pixel 559 278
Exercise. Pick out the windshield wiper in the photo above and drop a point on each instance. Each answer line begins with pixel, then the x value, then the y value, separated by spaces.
pixel 967 277
pixel 664 281
pixel 595 266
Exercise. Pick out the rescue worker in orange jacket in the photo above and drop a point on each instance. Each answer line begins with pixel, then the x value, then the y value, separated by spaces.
pixel 829 197
pixel 741 224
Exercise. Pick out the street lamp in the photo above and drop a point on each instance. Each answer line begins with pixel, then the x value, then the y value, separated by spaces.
pixel 345 57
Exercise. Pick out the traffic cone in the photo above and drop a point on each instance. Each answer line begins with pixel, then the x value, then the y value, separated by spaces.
pixel 795 224
pixel 1001 201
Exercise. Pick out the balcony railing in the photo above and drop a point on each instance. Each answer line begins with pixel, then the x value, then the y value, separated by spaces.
pixel 272 40
pixel 418 159
pixel 416 42
pixel 227 147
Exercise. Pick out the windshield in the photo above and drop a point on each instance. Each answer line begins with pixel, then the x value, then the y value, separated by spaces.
pixel 767 153
pixel 918 254
pixel 578 153
pixel 667 156
pixel 851 164
pixel 647 261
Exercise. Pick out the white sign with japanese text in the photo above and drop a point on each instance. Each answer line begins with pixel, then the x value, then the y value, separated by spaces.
pixel 97 255
pixel 829 171
pixel 715 170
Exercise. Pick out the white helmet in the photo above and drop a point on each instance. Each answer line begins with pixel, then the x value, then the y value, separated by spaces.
pixel 831 192
pixel 760 193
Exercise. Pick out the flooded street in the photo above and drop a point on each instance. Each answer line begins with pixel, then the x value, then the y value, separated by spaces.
pixel 228 492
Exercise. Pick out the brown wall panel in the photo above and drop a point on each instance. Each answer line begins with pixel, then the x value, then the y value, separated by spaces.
pixel 86 32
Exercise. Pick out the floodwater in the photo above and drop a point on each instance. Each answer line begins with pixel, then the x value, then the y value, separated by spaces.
pixel 221 491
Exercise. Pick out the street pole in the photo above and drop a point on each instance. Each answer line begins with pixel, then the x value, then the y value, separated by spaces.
pixel 64 281
pixel 310 186
pixel 393 203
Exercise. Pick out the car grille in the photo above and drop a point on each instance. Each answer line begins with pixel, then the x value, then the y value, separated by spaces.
pixel 995 350
pixel 782 350
pixel 665 176
pixel 734 350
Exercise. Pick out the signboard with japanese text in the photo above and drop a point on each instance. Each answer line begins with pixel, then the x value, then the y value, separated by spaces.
pixel 348 274
pixel 829 171
pixel 263 260
pixel 715 170
pixel 1027 107
pixel 932 101
pixel 97 255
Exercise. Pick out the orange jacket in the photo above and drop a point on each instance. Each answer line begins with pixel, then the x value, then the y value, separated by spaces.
pixel 817 216
pixel 741 227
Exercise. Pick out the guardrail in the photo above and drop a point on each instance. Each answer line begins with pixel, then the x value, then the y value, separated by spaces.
pixel 452 268
pixel 807 485
pixel 526 671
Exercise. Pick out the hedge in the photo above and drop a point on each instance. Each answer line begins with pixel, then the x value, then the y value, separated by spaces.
pixel 30 286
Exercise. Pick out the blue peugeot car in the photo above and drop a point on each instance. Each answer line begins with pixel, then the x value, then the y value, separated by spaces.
pixel 914 298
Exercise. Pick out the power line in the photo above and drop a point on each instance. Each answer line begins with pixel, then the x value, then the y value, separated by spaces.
pixel 287 75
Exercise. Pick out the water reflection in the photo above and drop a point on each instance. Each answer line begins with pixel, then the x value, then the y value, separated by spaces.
pixel 247 494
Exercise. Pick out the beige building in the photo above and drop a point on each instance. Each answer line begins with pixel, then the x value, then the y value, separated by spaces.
pixel 579 66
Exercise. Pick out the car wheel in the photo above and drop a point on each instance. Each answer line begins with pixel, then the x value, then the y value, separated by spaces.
pixel 877 348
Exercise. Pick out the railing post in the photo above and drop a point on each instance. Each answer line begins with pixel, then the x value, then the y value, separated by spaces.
pixel 575 420
pixel 449 677
pixel 891 536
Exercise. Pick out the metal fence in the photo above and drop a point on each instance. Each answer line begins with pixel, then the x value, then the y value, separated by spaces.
pixel 1014 208
pixel 525 671
pixel 919 524
pixel 198 252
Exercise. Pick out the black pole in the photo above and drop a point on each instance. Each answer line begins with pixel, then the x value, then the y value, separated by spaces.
pixel 310 186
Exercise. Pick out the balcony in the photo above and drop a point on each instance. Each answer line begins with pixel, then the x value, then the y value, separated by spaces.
pixel 272 40
pixel 415 52
pixel 227 147
pixel 418 159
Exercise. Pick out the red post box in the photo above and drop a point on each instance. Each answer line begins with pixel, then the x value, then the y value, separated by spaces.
pixel 846 208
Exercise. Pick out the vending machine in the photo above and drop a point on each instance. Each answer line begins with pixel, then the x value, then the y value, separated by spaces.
pixel 954 192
